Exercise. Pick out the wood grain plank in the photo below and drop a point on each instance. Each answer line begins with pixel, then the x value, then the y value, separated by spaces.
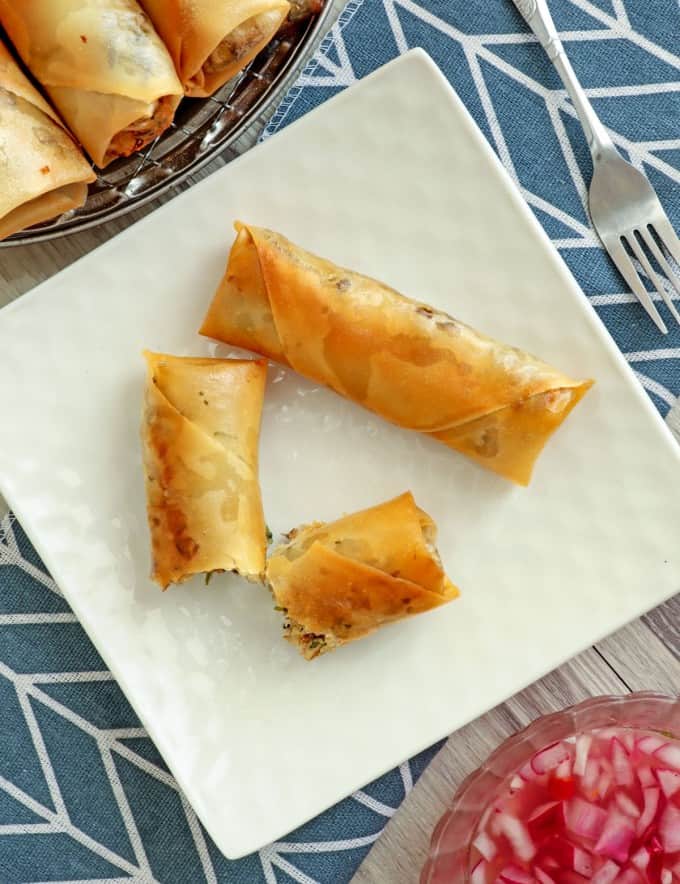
pixel 664 621
pixel 646 653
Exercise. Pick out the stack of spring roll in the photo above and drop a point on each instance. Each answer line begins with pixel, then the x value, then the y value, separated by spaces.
pixel 42 172
pixel 115 72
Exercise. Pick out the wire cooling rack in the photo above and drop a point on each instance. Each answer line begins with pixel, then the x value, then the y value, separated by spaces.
pixel 202 129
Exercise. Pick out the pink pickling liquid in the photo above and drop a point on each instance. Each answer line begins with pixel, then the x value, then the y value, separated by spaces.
pixel 602 807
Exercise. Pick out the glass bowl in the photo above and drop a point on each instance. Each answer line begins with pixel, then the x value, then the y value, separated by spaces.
pixel 448 858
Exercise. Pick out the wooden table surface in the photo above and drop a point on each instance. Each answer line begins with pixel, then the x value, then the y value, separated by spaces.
pixel 643 656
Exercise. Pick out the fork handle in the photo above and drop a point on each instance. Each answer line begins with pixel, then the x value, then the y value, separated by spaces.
pixel 537 16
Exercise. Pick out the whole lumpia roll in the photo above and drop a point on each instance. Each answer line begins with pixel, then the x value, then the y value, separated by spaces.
pixel 212 40
pixel 337 582
pixel 413 365
pixel 200 434
pixel 104 67
pixel 42 172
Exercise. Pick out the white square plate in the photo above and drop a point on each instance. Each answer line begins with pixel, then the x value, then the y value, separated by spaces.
pixel 391 178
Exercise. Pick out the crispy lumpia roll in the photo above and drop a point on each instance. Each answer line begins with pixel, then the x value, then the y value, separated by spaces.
pixel 42 172
pixel 212 40
pixel 104 67
pixel 340 581
pixel 411 364
pixel 200 435
pixel 302 9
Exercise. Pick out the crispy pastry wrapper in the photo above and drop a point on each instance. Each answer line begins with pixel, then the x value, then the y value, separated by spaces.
pixel 104 67
pixel 212 40
pixel 42 172
pixel 340 581
pixel 200 435
pixel 413 365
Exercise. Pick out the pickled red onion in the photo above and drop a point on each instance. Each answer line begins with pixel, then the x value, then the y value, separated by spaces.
pixel 589 810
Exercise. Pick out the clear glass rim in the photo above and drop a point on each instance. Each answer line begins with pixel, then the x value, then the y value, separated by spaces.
pixel 450 842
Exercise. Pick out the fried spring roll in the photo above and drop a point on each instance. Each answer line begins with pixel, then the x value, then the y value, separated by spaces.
pixel 104 67
pixel 413 365
pixel 42 172
pixel 340 581
pixel 200 435
pixel 212 40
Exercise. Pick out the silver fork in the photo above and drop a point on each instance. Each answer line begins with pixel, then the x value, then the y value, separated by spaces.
pixel 624 208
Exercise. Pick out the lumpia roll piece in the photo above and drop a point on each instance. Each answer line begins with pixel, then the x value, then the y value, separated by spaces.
pixel 212 40
pixel 200 435
pixel 415 366
pixel 340 581
pixel 302 9
pixel 104 67
pixel 42 171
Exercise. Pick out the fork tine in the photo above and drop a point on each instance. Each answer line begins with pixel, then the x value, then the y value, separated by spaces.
pixel 627 270
pixel 666 267
pixel 668 236
pixel 641 255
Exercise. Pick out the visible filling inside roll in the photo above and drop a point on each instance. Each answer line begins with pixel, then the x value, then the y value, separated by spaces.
pixel 242 41
pixel 311 644
pixel 156 119
pixel 429 530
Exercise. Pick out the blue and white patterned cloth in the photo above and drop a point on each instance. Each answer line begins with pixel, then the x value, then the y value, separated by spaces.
pixel 84 795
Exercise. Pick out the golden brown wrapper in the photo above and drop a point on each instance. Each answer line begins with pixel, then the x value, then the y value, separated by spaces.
pixel 340 581
pixel 104 67
pixel 42 172
pixel 413 365
pixel 212 40
pixel 200 435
